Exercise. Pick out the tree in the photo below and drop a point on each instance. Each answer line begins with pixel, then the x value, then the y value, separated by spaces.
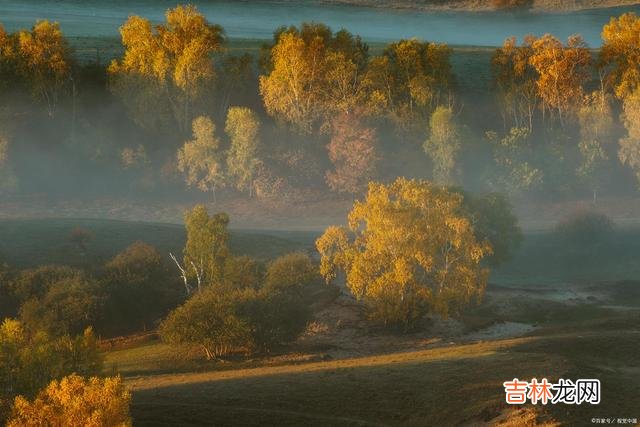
pixel 494 221
pixel 619 54
pixel 170 63
pixel 139 289
pixel 408 250
pixel 68 307
pixel 7 178
pixel 443 144
pixel 45 62
pixel 407 81
pixel 515 170
pixel 290 273
pixel 243 127
pixel 629 151
pixel 75 400
pixel 353 152
pixel 201 158
pixel 562 72
pixel 312 75
pixel 515 80
pixel 28 361
pixel 206 251
pixel 596 127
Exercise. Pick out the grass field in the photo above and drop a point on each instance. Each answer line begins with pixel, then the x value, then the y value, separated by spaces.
pixel 449 385
pixel 585 326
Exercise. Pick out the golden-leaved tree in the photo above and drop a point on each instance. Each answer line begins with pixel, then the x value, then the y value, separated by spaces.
pixel 619 53
pixel 562 72
pixel 312 75
pixel 407 81
pixel 515 80
pixel 44 61
pixel 167 67
pixel 629 151
pixel 408 250
pixel 75 401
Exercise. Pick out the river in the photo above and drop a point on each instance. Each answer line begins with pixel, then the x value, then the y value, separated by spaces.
pixel 258 19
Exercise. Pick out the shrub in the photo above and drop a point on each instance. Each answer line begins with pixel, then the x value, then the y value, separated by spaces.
pixel 75 401
pixel 209 320
pixel 242 272
pixel 583 234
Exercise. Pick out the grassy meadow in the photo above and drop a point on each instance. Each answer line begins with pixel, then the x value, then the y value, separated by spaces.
pixel 444 379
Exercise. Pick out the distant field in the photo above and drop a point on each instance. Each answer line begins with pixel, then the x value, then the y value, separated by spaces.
pixel 25 243
pixel 541 260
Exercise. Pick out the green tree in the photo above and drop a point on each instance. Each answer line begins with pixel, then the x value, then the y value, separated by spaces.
pixel 513 155
pixel 206 250
pixel 68 307
pixel 243 127
pixel 409 250
pixel 443 145
pixel 209 320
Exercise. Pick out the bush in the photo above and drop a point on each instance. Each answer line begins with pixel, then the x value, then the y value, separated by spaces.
pixel 242 272
pixel 244 314
pixel 583 234
pixel 140 289
pixel 493 220
pixel 75 401
pixel 209 320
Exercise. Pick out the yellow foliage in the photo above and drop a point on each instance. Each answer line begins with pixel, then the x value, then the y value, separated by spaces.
pixel 45 61
pixel 562 72
pixel 75 401
pixel 619 49
pixel 172 59
pixel 407 250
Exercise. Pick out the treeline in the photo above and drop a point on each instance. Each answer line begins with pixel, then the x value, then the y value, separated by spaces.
pixel 315 110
